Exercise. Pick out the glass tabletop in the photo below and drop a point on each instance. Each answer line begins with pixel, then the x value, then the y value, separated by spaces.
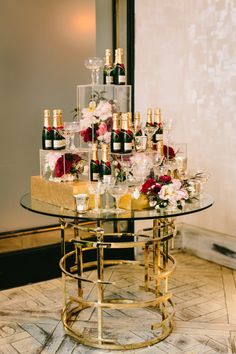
pixel 37 206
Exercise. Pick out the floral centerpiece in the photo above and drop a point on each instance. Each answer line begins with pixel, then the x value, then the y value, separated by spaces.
pixel 64 167
pixel 165 192
pixel 96 120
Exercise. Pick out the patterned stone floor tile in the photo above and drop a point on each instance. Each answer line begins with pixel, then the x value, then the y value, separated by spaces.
pixel 203 293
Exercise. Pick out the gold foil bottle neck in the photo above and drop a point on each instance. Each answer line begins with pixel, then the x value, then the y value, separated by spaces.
pixel 130 122
pixel 119 56
pixel 137 119
pixel 94 151
pixel 124 121
pixel 115 118
pixel 108 60
pixel 46 113
pixel 149 115
pixel 157 115
pixel 104 152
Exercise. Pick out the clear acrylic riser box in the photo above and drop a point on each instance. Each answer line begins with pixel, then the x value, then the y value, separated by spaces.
pixel 99 98
pixel 64 166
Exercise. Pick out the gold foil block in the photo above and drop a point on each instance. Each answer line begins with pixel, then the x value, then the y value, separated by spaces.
pixel 129 203
pixel 60 194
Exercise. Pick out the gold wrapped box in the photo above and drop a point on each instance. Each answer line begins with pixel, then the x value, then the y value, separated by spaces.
pixel 62 194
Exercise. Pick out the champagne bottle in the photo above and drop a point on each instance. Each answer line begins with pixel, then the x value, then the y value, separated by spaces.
pixel 130 126
pixel 116 134
pixel 105 167
pixel 119 71
pixel 126 134
pixel 57 138
pixel 60 128
pixel 47 131
pixel 137 124
pixel 158 136
pixel 149 118
pixel 108 68
pixel 94 164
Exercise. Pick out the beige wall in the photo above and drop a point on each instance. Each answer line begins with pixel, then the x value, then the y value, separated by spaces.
pixel 43 47
pixel 186 64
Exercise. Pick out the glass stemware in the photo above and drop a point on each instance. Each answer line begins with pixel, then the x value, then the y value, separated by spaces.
pixel 94 64
pixel 141 166
pixel 150 131
pixel 68 132
pixel 117 191
pixel 96 188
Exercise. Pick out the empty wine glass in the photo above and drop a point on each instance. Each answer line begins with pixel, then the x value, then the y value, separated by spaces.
pixel 150 131
pixel 94 64
pixel 117 191
pixel 167 129
pixel 68 132
pixel 141 166
pixel 96 188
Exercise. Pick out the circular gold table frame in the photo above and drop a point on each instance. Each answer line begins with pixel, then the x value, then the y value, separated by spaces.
pixel 158 266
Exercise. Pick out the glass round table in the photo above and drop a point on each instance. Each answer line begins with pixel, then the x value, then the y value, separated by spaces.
pixel 119 304
pixel 40 207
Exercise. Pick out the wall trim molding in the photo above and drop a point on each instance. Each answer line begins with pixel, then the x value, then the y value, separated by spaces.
pixel 210 245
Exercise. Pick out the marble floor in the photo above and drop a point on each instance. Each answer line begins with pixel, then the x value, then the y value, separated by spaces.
pixel 205 321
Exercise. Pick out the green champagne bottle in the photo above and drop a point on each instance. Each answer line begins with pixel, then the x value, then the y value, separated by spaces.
pixel 149 118
pixel 105 167
pixel 47 131
pixel 94 164
pixel 119 71
pixel 130 126
pixel 116 134
pixel 158 136
pixel 126 135
pixel 58 142
pixel 137 124
pixel 108 69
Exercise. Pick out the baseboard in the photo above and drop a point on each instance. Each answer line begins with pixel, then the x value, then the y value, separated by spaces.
pixel 210 245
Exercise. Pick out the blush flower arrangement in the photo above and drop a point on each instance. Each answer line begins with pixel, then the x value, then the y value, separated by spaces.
pixel 165 192
pixel 96 120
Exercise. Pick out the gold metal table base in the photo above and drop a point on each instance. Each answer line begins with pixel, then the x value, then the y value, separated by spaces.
pixel 156 267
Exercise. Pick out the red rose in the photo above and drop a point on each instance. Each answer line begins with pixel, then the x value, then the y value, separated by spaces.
pixel 165 179
pixel 149 182
pixel 62 167
pixel 108 164
pixel 87 134
pixel 168 152
pixel 155 188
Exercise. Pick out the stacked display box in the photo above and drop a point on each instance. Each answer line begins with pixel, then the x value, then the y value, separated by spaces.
pixel 71 169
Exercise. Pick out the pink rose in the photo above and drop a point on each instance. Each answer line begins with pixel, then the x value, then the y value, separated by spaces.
pixel 102 129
